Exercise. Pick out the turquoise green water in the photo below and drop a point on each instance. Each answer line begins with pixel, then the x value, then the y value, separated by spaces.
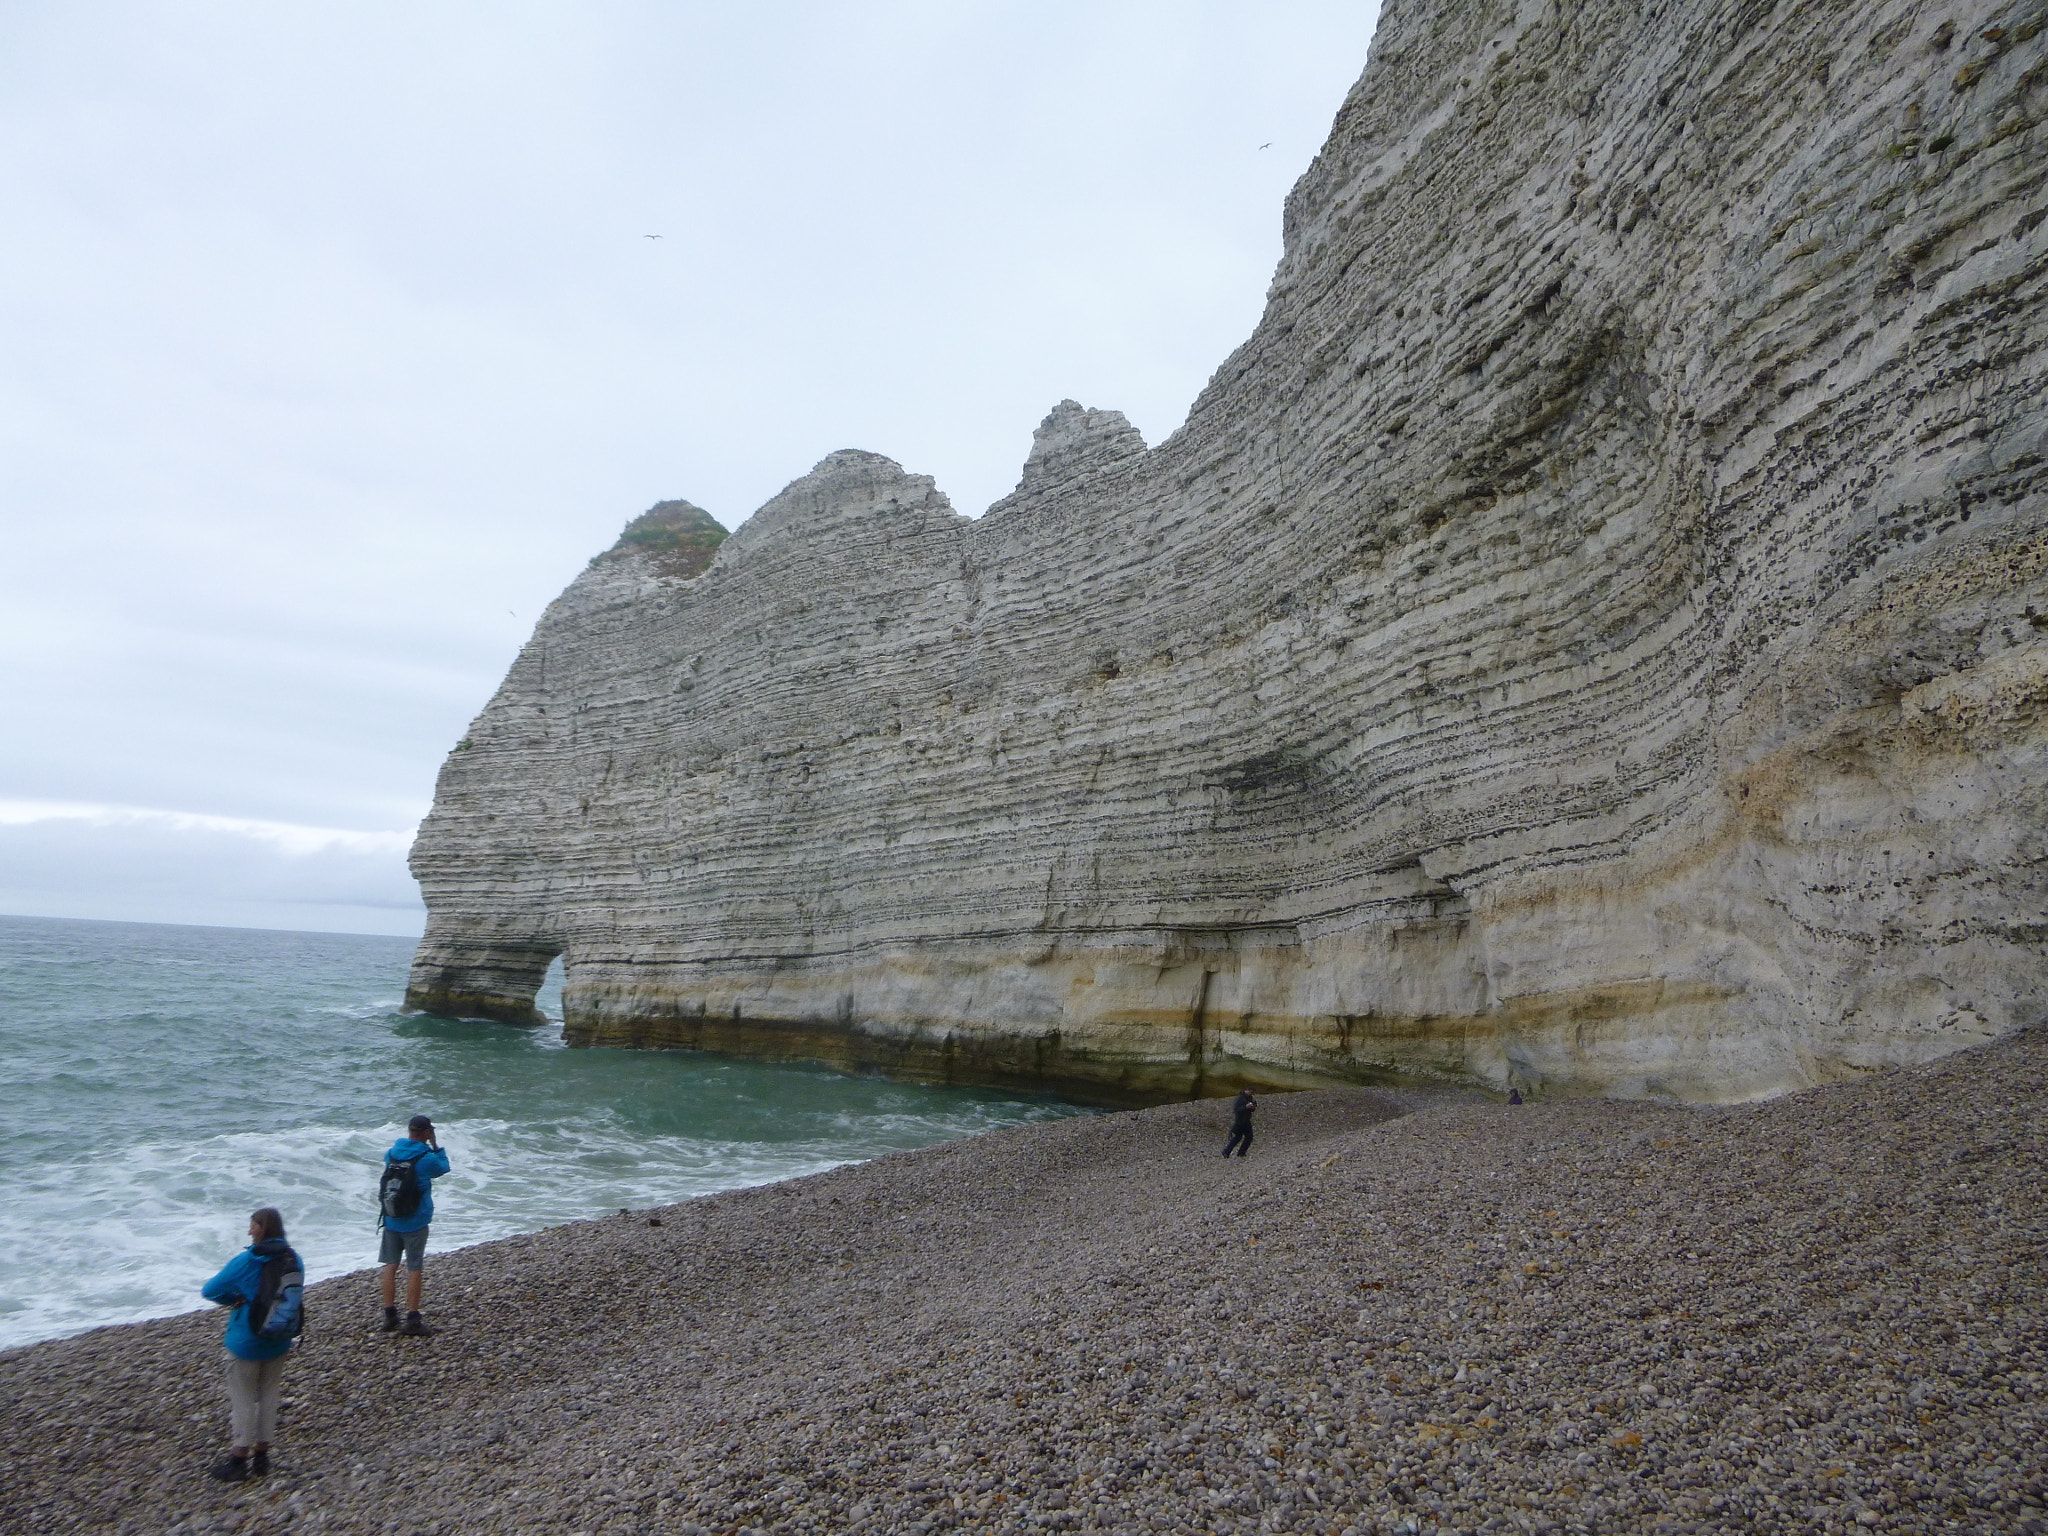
pixel 157 1083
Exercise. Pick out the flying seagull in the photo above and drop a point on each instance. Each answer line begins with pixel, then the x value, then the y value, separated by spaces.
pixel 1267 145
pixel 650 237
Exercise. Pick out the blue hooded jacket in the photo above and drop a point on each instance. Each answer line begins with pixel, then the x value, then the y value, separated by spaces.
pixel 235 1286
pixel 430 1168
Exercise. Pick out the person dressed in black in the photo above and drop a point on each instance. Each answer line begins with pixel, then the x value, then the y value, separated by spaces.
pixel 1241 1109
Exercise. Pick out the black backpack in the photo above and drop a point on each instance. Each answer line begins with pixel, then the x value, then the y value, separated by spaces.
pixel 398 1192
pixel 278 1311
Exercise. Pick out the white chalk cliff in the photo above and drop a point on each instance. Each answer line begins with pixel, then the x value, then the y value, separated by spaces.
pixel 1593 635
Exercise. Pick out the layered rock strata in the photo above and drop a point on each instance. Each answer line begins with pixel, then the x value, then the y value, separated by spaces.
pixel 1593 635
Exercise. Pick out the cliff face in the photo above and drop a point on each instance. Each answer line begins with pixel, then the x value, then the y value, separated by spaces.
pixel 1593 635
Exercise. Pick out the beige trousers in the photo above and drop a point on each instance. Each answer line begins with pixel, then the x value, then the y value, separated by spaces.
pixel 252 1394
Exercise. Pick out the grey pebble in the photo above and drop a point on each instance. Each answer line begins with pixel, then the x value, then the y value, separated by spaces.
pixel 1408 1311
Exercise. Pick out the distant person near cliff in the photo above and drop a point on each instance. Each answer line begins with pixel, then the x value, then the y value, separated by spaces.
pixel 265 1285
pixel 1241 1109
pixel 405 1199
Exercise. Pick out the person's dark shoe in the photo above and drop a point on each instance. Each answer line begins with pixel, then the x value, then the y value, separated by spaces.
pixel 415 1326
pixel 230 1469
pixel 259 1464
pixel 391 1319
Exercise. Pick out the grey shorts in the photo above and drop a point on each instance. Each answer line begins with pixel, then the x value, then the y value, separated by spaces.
pixel 412 1245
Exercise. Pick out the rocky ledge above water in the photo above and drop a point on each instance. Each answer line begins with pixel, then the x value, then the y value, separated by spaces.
pixel 1593 636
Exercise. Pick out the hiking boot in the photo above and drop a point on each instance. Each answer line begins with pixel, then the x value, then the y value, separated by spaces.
pixel 259 1464
pixel 230 1469
pixel 416 1326
pixel 391 1319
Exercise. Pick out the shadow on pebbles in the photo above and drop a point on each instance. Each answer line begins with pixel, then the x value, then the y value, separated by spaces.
pixel 1405 1312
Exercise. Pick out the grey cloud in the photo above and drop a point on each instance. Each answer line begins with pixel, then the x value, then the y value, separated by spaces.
pixel 151 869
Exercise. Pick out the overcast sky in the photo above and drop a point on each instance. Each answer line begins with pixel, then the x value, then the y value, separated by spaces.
pixel 332 346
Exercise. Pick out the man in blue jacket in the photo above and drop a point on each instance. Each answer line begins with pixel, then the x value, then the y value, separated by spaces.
pixel 406 1210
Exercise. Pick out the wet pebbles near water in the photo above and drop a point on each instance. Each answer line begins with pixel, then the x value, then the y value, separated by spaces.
pixel 1406 1312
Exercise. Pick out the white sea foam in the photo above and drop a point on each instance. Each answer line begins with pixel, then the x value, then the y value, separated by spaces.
pixel 161 1083
pixel 133 1234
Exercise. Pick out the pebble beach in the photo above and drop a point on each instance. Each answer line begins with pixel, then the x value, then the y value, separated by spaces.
pixel 1407 1311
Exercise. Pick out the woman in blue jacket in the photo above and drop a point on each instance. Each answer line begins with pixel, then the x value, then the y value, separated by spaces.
pixel 255 1366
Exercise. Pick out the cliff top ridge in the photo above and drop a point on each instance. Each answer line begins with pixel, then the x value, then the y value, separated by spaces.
pixel 679 537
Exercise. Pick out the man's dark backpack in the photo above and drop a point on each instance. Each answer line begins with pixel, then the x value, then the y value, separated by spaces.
pixel 278 1311
pixel 398 1192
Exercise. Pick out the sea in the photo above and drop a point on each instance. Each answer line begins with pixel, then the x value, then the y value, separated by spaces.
pixel 157 1083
